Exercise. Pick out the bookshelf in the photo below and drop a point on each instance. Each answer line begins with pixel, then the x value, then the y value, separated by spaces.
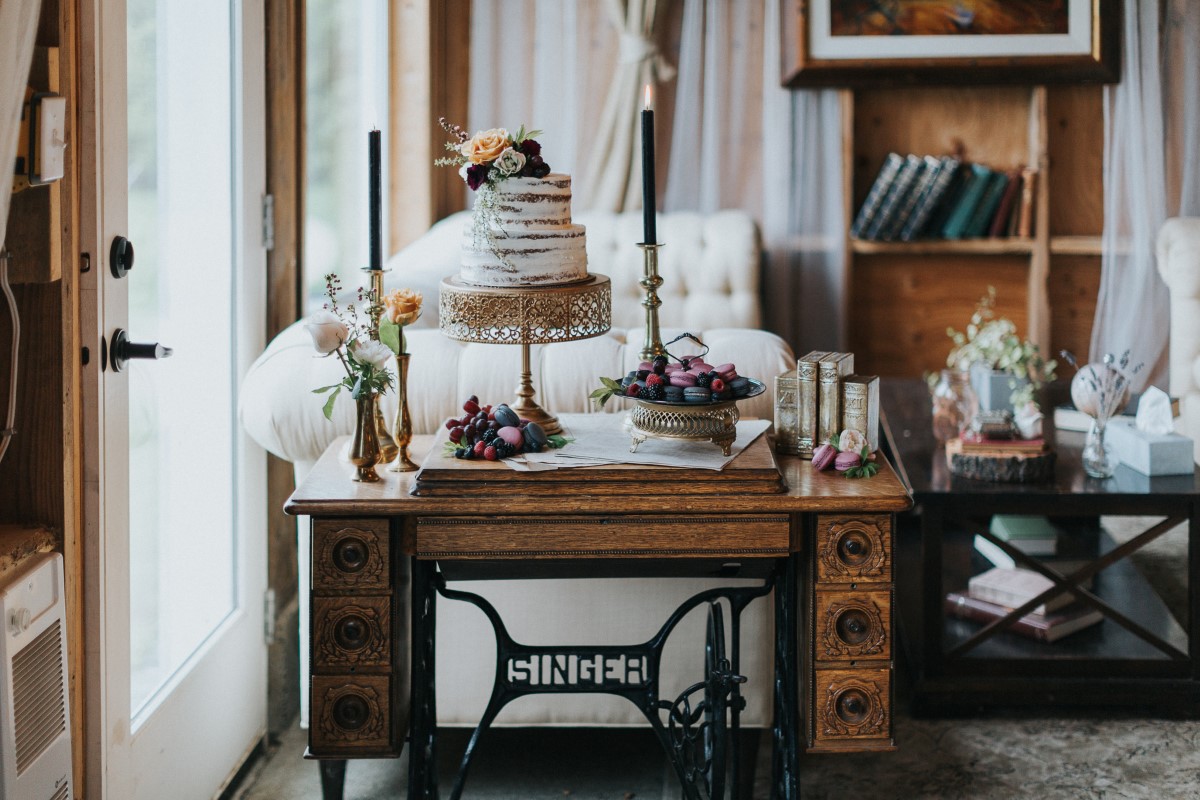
pixel 901 296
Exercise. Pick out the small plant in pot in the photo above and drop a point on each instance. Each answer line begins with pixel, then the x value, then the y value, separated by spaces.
pixel 1006 370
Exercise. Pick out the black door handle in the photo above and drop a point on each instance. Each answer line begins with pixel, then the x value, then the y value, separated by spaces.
pixel 120 257
pixel 123 350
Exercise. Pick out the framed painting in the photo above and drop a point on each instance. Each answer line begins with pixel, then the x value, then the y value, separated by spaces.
pixel 875 42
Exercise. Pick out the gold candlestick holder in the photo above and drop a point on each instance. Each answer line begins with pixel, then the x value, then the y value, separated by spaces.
pixel 526 316
pixel 387 445
pixel 650 281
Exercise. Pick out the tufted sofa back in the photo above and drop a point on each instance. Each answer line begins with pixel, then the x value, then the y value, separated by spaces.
pixel 709 265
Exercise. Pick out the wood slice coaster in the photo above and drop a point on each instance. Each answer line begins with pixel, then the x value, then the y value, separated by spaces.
pixel 753 471
pixel 1001 464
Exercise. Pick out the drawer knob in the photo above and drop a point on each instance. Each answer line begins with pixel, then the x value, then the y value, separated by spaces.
pixel 853 626
pixel 853 706
pixel 352 632
pixel 854 547
pixel 350 712
pixel 350 554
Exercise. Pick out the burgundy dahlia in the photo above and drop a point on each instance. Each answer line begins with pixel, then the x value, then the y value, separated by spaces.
pixel 530 148
pixel 477 175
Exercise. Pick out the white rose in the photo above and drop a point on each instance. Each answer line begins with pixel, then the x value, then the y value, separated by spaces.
pixel 327 331
pixel 369 351
pixel 510 162
pixel 851 441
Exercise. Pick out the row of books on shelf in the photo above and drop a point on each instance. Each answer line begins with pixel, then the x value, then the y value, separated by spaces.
pixel 993 594
pixel 930 197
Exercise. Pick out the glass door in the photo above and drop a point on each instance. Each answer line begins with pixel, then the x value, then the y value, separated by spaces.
pixel 179 126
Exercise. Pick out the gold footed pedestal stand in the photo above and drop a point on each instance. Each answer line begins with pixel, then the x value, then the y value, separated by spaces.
pixel 526 316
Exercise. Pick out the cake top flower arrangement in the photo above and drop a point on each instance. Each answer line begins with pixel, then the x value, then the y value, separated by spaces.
pixel 493 155
pixel 363 348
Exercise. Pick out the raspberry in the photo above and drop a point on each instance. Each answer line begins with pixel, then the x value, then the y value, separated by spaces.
pixel 632 390
pixel 654 379
pixel 717 385
pixel 489 453
pixel 480 446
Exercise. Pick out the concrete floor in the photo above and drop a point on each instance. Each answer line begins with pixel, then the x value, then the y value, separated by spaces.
pixel 595 764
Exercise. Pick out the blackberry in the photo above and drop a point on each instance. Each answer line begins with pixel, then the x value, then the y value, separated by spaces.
pixel 654 392
pixel 704 379
pixel 504 449
pixel 489 435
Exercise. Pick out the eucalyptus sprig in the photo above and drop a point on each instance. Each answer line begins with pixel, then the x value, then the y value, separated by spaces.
pixel 601 395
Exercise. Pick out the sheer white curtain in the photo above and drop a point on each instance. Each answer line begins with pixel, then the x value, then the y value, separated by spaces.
pixel 740 140
pixel 1151 170
pixel 546 64
pixel 18 24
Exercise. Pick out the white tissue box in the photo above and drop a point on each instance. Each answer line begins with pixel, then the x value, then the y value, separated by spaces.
pixel 1149 453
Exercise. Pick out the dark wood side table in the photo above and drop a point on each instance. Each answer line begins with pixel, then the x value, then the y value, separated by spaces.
pixel 821 543
pixel 1139 656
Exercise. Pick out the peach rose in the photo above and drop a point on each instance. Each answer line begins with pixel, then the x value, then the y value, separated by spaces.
pixel 485 146
pixel 403 306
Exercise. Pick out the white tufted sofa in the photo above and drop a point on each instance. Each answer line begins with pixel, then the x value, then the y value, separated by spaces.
pixel 1179 265
pixel 710 269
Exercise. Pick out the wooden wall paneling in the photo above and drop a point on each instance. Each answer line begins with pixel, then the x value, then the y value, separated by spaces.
pixel 72 378
pixel 1074 286
pixel 285 76
pixel 1075 115
pixel 846 105
pixel 429 62
pixel 35 217
pixel 904 303
pixel 1037 328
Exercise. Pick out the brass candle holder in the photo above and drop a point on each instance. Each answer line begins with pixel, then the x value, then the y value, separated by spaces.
pixel 526 316
pixel 387 445
pixel 650 281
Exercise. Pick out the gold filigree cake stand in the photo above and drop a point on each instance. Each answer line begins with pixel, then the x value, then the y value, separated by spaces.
pixel 526 316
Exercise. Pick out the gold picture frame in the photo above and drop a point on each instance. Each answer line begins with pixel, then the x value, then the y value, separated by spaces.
pixel 858 43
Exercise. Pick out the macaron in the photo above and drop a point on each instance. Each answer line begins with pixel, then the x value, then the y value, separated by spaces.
pixel 646 365
pixel 673 394
pixel 671 368
pixel 700 365
pixel 682 379
pixel 697 394
pixel 739 386
pixel 727 372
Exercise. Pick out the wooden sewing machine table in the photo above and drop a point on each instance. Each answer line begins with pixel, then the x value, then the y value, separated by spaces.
pixel 382 552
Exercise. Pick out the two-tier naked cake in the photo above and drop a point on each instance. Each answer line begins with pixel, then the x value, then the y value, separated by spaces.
pixel 521 234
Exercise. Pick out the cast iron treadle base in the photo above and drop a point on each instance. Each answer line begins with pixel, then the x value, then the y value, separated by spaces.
pixel 697 739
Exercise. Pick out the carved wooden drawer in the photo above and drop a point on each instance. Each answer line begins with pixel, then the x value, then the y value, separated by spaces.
pixel 851 706
pixel 351 554
pixel 351 715
pixel 853 625
pixel 352 633
pixel 854 549
pixel 647 536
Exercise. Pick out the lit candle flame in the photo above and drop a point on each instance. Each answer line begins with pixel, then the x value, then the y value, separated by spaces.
pixel 648 97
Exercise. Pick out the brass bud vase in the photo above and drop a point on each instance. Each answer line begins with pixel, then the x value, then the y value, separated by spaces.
pixel 364 452
pixel 403 425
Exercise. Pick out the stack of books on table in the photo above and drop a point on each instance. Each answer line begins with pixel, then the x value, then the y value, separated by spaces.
pixel 931 197
pixel 1032 535
pixel 994 594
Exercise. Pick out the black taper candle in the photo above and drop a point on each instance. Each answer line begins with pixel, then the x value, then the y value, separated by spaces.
pixel 649 233
pixel 376 200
